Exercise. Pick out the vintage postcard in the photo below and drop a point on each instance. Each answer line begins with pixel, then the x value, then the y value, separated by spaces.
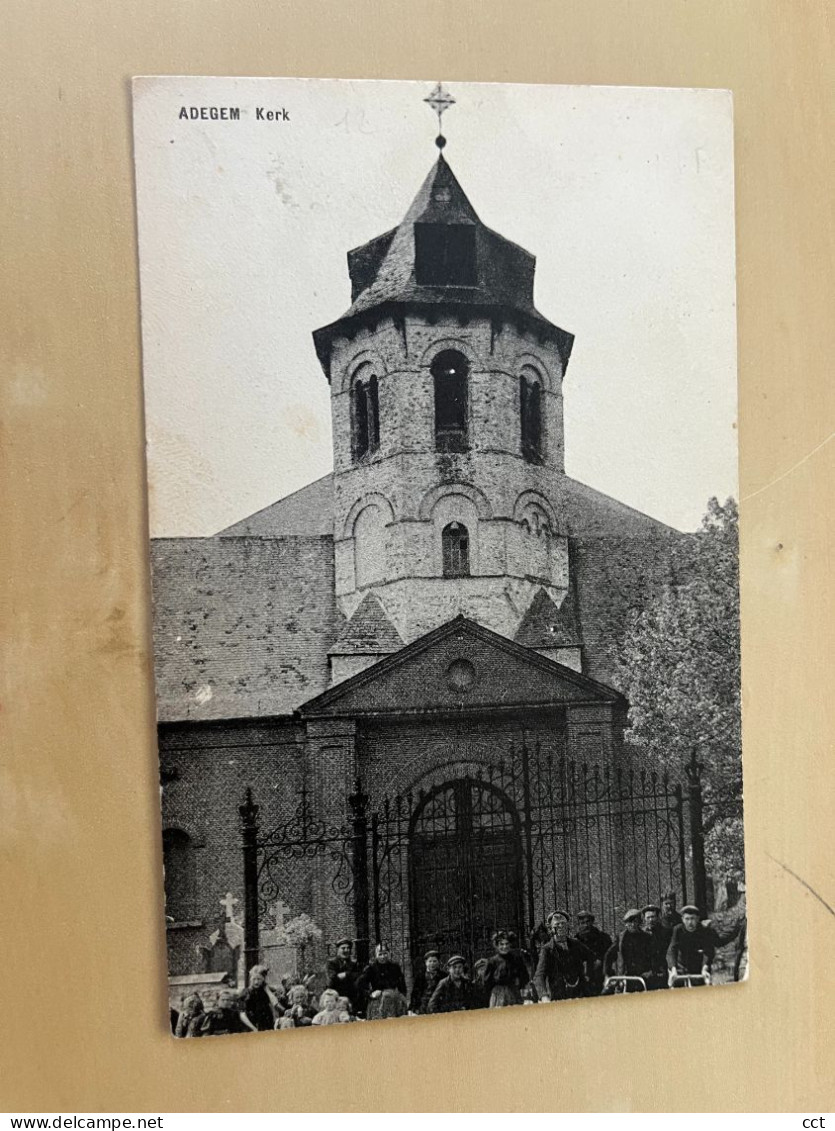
pixel 440 387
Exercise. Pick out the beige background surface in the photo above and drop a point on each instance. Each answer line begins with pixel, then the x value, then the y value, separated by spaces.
pixel 84 998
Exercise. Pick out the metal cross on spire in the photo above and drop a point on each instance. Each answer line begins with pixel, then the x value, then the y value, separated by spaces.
pixel 440 100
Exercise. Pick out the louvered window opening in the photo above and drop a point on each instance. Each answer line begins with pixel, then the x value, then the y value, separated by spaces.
pixel 455 543
pixel 445 255
pixel 450 371
pixel 366 418
pixel 530 406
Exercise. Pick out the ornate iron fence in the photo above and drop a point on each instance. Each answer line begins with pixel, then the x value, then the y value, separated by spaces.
pixel 500 845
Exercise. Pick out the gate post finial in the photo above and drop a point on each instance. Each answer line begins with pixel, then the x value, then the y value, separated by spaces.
pixel 358 801
pixel 249 830
pixel 693 769
pixel 695 803
pixel 248 811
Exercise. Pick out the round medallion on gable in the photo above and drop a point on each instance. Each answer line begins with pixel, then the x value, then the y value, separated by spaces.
pixel 460 675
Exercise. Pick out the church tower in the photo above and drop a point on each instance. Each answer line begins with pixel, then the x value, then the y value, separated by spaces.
pixel 447 409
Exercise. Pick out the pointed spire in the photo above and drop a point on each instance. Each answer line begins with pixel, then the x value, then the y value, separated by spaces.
pixel 440 199
pixel 494 276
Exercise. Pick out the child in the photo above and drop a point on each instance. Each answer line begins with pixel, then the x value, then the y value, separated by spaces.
pixel 299 1013
pixel 192 1016
pixel 328 1009
pixel 224 1017
pixel 343 1008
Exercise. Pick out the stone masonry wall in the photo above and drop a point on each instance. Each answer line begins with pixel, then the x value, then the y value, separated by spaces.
pixel 390 508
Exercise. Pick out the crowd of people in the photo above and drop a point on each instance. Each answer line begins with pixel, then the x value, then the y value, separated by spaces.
pixel 260 1007
pixel 657 948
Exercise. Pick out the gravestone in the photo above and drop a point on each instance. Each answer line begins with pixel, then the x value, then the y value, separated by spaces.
pixel 225 955
pixel 275 953
pixel 208 985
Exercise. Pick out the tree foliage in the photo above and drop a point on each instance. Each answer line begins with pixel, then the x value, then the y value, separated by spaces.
pixel 680 669
pixel 298 931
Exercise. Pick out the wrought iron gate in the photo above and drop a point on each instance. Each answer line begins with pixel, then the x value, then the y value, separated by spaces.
pixel 447 868
pixel 502 846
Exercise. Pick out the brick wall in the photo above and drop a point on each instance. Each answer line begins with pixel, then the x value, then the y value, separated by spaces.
pixel 206 768
pixel 242 626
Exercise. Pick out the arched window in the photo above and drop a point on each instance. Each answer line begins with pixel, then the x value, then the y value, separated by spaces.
pixel 450 371
pixel 530 413
pixel 537 549
pixel 365 416
pixel 180 875
pixel 455 545
pixel 536 522
pixel 370 546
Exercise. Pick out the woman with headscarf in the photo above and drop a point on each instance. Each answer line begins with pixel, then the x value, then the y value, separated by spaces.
pixel 505 974
pixel 382 986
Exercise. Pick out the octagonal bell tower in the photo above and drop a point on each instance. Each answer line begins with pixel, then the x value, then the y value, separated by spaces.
pixel 446 395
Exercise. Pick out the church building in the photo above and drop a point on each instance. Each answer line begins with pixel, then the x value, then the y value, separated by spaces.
pixel 411 664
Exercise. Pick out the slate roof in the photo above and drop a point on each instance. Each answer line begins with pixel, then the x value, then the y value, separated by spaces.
pixel 243 623
pixel 383 279
pixel 242 626
pixel 545 625
pixel 368 631
pixel 615 577
pixel 584 512
pixel 308 511
pixel 587 512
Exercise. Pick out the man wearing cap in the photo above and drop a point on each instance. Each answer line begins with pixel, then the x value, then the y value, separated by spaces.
pixel 598 942
pixel 454 992
pixel 565 965
pixel 426 982
pixel 343 972
pixel 632 953
pixel 693 945
pixel 660 939
pixel 652 924
pixel 669 916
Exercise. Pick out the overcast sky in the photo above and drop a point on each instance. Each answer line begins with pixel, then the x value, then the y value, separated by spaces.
pixel 625 196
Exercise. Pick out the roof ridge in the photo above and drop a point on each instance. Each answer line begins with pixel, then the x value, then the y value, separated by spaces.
pixel 269 506
pixel 619 505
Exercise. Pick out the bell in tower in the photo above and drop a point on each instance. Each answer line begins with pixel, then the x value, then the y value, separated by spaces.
pixel 447 410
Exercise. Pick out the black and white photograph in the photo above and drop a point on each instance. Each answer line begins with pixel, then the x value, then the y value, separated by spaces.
pixel 440 405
